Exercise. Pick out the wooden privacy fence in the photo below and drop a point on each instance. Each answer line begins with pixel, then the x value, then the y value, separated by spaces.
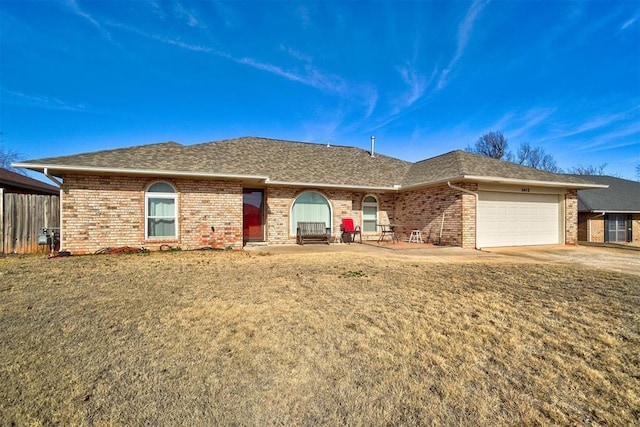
pixel 23 218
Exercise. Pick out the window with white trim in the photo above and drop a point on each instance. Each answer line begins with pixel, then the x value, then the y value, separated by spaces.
pixel 370 214
pixel 310 206
pixel 161 211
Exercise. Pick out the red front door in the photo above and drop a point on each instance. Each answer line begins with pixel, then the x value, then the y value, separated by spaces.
pixel 253 215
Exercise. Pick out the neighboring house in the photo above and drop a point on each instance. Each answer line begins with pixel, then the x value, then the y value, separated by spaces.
pixel 11 182
pixel 231 192
pixel 610 215
pixel 26 207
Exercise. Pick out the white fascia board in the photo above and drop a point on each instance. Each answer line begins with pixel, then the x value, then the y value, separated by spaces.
pixel 600 211
pixel 431 183
pixel 515 181
pixel 143 172
pixel 186 174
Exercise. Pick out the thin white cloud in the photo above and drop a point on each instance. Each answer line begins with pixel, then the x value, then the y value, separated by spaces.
pixel 46 102
pixel 73 6
pixel 311 76
pixel 370 100
pixel 601 122
pixel 188 15
pixel 166 40
pixel 464 34
pixel 628 23
pixel 416 82
pixel 528 121
pixel 622 136
pixel 296 54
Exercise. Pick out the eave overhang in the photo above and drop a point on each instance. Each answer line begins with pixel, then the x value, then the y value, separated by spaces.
pixel 607 211
pixel 59 170
pixel 532 182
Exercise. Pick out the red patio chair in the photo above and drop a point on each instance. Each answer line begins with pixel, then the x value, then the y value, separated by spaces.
pixel 350 230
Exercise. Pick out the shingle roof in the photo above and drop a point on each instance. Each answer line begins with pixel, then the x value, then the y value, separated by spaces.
pixel 297 163
pixel 621 196
pixel 15 180
pixel 459 163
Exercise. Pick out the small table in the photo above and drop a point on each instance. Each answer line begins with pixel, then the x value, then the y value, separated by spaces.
pixel 388 230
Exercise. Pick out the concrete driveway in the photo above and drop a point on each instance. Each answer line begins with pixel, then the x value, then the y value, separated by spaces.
pixel 614 259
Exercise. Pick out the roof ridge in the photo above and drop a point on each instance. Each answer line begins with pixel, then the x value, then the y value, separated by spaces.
pixel 307 143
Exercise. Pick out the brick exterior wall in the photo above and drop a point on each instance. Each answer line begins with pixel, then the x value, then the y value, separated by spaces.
pixel 571 217
pixel 108 211
pixel 635 229
pixel 596 222
pixel 439 210
pixel 344 204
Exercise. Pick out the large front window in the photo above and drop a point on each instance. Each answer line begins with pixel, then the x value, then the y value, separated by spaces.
pixel 310 207
pixel 161 211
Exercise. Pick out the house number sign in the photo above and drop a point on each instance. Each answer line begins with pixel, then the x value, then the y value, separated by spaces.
pixel 525 190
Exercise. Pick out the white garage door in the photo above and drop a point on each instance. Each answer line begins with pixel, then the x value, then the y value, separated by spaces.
pixel 515 219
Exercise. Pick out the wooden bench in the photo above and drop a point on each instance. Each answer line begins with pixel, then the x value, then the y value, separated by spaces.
pixel 312 231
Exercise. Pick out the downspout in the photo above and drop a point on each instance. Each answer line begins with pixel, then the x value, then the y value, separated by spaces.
pixel 464 190
pixel 52 178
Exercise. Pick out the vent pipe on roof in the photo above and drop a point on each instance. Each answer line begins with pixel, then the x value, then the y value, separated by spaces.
pixel 373 143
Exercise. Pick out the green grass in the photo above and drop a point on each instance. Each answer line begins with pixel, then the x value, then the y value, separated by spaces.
pixel 228 338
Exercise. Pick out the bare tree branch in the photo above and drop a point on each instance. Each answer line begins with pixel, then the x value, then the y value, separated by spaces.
pixel 8 156
pixel 492 144
pixel 588 170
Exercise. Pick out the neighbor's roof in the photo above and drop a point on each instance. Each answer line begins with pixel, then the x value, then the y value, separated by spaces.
pixel 622 196
pixel 278 162
pixel 12 180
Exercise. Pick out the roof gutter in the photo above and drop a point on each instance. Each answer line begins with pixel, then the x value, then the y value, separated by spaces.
pixel 145 172
pixel 46 169
pixel 509 181
pixel 498 180
pixel 601 212
pixel 474 194
pixel 430 183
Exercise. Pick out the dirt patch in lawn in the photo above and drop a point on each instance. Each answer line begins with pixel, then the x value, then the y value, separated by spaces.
pixel 220 338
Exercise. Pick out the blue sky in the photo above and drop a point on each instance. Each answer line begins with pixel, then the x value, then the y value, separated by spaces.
pixel 424 77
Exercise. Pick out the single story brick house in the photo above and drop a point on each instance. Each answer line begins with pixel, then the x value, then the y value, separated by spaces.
pixel 231 192
pixel 610 215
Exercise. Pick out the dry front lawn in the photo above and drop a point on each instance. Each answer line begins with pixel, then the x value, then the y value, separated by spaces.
pixel 230 338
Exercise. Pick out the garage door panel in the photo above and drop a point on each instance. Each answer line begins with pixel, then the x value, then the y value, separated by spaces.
pixel 515 219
